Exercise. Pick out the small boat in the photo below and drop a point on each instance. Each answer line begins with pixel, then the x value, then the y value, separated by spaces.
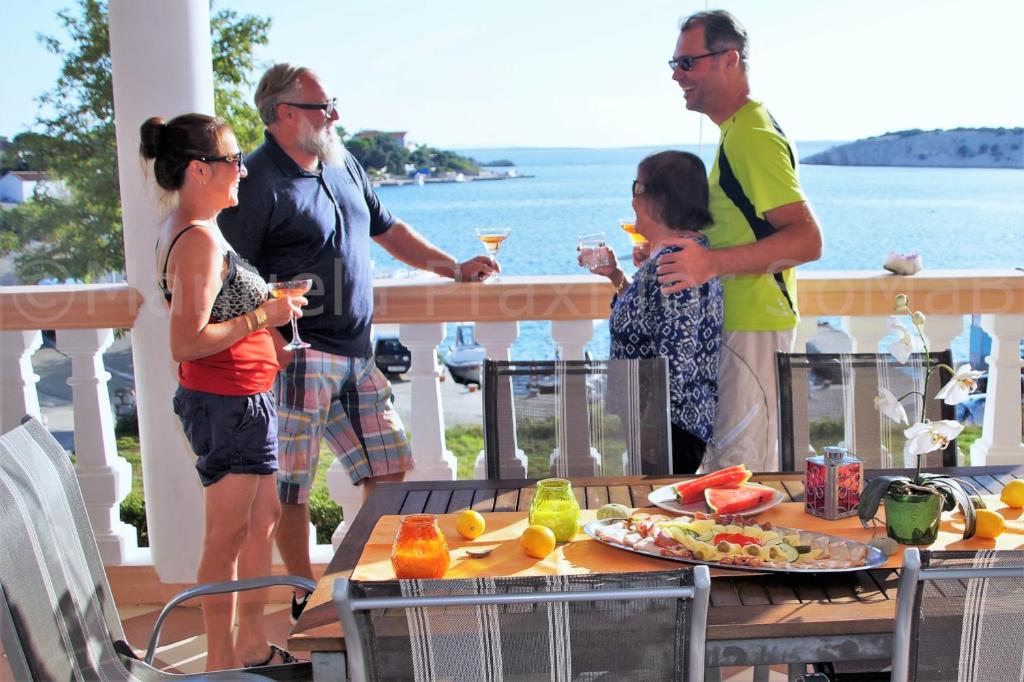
pixel 465 357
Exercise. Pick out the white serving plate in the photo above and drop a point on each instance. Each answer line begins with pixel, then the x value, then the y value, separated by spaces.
pixel 665 498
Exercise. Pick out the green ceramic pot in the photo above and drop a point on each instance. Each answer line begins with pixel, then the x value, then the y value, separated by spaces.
pixel 913 519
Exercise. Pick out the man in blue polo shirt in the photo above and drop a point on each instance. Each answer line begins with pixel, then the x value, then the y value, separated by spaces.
pixel 307 210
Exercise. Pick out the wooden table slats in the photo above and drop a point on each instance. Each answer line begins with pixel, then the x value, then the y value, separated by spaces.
pixel 507 500
pixel 461 499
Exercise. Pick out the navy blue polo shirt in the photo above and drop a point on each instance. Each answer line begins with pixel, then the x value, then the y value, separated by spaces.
pixel 293 224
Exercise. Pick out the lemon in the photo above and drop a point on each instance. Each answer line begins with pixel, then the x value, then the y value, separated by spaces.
pixel 470 524
pixel 613 511
pixel 1013 494
pixel 989 525
pixel 537 541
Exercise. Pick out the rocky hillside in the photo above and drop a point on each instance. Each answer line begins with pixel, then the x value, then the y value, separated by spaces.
pixel 959 148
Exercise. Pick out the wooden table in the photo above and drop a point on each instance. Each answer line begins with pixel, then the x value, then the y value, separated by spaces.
pixel 753 619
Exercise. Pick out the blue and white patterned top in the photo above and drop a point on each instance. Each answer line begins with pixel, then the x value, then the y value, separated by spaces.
pixel 686 328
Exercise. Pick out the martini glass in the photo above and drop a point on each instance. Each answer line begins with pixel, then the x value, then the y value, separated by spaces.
pixel 296 287
pixel 492 237
pixel 630 227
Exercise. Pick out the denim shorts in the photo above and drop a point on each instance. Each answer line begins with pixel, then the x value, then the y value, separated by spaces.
pixel 230 434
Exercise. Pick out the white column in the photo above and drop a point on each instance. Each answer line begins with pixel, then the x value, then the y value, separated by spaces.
pixel 1001 431
pixel 940 330
pixel 572 337
pixel 348 496
pixel 497 339
pixel 434 462
pixel 18 380
pixel 866 332
pixel 105 478
pixel 162 66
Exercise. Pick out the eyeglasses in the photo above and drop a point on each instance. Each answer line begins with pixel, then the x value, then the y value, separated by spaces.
pixel 328 107
pixel 686 62
pixel 232 158
pixel 638 188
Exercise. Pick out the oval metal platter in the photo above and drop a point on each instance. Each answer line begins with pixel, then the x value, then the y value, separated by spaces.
pixel 873 556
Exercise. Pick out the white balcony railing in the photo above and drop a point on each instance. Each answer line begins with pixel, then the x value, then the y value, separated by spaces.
pixel 84 317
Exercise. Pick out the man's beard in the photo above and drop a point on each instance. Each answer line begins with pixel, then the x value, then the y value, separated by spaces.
pixel 322 142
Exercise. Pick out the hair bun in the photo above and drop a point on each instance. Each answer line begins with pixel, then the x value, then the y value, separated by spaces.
pixel 152 137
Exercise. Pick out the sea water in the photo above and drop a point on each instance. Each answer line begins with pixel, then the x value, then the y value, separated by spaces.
pixel 953 217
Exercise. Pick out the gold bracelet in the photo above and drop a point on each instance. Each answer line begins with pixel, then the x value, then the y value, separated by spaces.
pixel 248 322
pixel 261 318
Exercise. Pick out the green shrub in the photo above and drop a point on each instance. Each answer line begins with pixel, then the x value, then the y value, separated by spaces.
pixel 324 514
pixel 133 512
pixel 825 432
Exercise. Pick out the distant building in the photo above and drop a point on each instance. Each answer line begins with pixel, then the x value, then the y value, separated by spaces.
pixel 17 187
pixel 398 136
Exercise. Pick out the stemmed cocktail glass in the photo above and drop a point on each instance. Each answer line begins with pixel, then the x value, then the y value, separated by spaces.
pixel 492 237
pixel 630 227
pixel 296 287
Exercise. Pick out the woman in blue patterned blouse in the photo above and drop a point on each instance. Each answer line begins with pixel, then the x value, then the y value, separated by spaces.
pixel 670 198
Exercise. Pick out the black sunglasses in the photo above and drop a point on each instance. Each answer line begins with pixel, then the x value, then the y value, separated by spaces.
pixel 328 107
pixel 232 158
pixel 638 188
pixel 686 62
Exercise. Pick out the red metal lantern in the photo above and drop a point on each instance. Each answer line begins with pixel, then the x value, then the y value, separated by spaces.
pixel 832 484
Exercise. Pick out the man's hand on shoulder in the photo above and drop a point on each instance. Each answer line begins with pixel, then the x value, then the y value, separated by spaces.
pixel 476 269
pixel 691 266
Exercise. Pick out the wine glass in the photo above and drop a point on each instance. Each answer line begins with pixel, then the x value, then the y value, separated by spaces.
pixel 492 237
pixel 296 287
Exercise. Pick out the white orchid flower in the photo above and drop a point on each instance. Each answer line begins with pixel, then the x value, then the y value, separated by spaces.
pixel 960 386
pixel 887 404
pixel 902 347
pixel 925 437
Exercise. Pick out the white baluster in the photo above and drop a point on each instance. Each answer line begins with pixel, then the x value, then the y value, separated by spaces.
pixel 866 332
pixel 18 380
pixel 940 330
pixel 806 330
pixel 104 476
pixel 434 462
pixel 572 336
pixel 1000 441
pixel 348 496
pixel 497 339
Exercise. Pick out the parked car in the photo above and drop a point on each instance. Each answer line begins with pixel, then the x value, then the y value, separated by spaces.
pixel 390 356
pixel 465 357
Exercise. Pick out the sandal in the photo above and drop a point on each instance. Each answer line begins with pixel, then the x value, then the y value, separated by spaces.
pixel 275 650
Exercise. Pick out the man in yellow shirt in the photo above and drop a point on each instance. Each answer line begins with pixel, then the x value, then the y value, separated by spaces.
pixel 763 228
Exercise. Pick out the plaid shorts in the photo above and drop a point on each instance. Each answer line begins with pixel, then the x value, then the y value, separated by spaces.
pixel 346 401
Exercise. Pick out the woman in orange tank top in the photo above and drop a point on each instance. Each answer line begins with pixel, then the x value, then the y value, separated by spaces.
pixel 220 312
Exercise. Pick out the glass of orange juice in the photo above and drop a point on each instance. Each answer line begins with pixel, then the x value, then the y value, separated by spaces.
pixel 629 225
pixel 419 550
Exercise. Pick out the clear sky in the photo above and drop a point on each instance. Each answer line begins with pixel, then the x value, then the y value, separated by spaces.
pixel 466 73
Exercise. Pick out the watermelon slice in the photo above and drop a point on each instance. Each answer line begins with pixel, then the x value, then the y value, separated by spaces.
pixel 693 490
pixel 736 500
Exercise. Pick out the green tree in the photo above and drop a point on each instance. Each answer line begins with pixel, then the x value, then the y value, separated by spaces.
pixel 80 236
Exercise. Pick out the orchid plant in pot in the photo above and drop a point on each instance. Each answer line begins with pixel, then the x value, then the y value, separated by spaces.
pixel 914 505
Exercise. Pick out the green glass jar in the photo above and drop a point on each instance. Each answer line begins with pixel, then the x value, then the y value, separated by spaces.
pixel 913 519
pixel 556 507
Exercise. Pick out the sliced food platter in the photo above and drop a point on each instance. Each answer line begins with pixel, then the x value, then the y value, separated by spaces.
pixel 735 543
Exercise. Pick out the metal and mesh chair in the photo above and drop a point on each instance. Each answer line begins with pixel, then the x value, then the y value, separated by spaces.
pixel 635 626
pixel 577 418
pixel 958 616
pixel 57 616
pixel 828 399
